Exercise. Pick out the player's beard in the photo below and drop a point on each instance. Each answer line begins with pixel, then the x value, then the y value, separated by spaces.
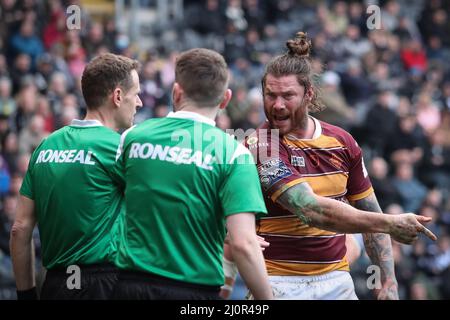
pixel 297 121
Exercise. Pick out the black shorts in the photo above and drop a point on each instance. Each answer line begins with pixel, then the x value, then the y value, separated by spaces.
pixel 97 282
pixel 134 285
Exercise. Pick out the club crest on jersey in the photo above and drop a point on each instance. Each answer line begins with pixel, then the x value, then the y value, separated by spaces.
pixel 336 161
pixel 315 161
pixel 272 171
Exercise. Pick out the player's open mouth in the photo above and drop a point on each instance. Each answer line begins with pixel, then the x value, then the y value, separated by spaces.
pixel 280 117
pixel 280 120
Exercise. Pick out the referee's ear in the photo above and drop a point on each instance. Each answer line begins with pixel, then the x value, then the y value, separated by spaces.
pixel 117 96
pixel 177 94
pixel 226 99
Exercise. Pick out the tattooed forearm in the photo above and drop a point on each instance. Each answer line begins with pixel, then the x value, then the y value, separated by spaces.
pixel 329 214
pixel 378 245
pixel 299 201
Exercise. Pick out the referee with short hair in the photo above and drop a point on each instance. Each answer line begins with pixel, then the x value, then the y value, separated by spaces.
pixel 69 192
pixel 186 181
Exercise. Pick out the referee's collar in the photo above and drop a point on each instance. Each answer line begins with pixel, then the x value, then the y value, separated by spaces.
pixel 86 123
pixel 191 116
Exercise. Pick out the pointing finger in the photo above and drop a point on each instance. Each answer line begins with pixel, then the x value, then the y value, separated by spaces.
pixel 428 233
pixel 423 219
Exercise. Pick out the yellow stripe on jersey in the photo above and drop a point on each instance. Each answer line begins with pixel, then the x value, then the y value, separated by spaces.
pixel 291 226
pixel 277 268
pixel 322 142
pixel 284 187
pixel 359 196
pixel 328 185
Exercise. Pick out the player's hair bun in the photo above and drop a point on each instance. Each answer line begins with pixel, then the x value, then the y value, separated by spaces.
pixel 300 46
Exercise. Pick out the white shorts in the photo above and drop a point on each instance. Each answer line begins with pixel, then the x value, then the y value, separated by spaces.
pixel 335 285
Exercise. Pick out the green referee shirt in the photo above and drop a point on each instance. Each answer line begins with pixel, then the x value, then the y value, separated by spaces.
pixel 76 201
pixel 183 177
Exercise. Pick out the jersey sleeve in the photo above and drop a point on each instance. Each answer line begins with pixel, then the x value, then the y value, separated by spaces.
pixel 27 188
pixel 27 184
pixel 276 173
pixel 240 190
pixel 358 184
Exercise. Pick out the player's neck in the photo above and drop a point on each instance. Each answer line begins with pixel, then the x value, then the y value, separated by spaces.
pixel 105 117
pixel 210 113
pixel 307 132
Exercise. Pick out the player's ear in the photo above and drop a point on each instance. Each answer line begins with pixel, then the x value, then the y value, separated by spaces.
pixel 117 96
pixel 177 93
pixel 226 99
pixel 309 94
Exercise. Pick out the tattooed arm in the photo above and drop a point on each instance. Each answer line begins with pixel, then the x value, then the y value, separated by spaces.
pixel 379 248
pixel 333 215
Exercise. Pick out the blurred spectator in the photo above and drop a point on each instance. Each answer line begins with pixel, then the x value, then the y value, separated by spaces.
pixel 27 42
pixel 421 289
pixel 94 40
pixel 20 71
pixel 255 14
pixel 69 113
pixel 441 260
pixel 428 114
pixel 5 178
pixel 411 191
pixel 32 135
pixel 337 17
pixel 208 19
pixel 414 56
pixel 446 96
pixel 382 80
pixel 407 142
pixel 7 214
pixel 43 109
pixel 234 14
pixel 3 66
pixel 26 106
pixel 389 15
pixel 435 167
pixel 380 123
pixel 10 150
pixel 404 30
pixel 337 111
pixel 56 91
pixel 56 24
pixel 7 103
pixel 354 46
pixel 385 190
pixel 11 14
pixel 355 85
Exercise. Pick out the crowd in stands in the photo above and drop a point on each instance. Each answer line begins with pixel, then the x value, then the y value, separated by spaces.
pixel 390 87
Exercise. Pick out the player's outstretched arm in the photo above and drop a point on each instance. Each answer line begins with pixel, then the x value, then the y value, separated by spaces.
pixel 333 215
pixel 247 254
pixel 22 251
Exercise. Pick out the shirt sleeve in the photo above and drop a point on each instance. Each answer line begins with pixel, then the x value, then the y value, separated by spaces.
pixel 27 189
pixel 276 173
pixel 358 184
pixel 240 190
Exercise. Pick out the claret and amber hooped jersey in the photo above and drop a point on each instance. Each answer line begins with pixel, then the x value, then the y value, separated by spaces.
pixel 331 163
pixel 76 202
